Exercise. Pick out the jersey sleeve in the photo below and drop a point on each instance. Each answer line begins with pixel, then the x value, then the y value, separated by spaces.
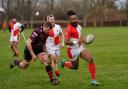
pixel 79 27
pixel 19 25
pixel 34 35
pixel 60 29
pixel 67 33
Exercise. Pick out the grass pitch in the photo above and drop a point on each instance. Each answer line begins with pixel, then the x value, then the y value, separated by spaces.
pixel 109 50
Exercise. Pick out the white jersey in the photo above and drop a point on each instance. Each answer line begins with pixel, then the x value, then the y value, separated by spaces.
pixel 17 25
pixel 15 31
pixel 54 38
pixel 53 41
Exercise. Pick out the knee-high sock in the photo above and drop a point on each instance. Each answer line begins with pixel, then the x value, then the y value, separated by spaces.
pixel 57 72
pixel 17 62
pixel 49 72
pixel 68 64
pixel 92 70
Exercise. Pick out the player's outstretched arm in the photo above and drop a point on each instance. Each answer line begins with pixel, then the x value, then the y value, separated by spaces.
pixel 29 46
pixel 62 39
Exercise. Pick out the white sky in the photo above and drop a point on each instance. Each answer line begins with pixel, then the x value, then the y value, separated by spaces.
pixel 120 4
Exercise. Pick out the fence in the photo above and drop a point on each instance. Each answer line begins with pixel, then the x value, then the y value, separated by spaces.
pixel 62 23
pixel 36 24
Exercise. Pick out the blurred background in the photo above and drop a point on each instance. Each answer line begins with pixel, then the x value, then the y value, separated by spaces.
pixel 91 13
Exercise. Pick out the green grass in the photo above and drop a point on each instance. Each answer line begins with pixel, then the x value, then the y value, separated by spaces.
pixel 110 52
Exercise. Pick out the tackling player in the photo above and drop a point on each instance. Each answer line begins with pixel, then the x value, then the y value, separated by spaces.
pixel 75 49
pixel 36 47
pixel 53 44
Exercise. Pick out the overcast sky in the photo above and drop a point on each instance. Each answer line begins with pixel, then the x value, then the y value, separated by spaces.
pixel 120 3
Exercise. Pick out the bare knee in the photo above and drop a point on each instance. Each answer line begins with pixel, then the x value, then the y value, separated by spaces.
pixel 43 58
pixel 53 58
pixel 11 46
pixel 90 60
pixel 24 64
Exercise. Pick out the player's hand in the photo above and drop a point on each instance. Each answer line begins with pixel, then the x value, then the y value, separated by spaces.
pixel 81 40
pixel 33 57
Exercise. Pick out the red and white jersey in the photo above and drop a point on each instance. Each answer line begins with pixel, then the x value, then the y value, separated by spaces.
pixel 11 25
pixel 73 33
pixel 54 38
pixel 16 29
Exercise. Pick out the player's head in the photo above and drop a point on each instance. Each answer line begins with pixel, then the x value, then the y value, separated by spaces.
pixel 73 18
pixel 45 18
pixel 14 20
pixel 47 26
pixel 51 19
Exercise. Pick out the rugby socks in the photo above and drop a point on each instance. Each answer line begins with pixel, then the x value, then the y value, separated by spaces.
pixel 68 64
pixel 17 62
pixel 49 72
pixel 92 70
pixel 57 72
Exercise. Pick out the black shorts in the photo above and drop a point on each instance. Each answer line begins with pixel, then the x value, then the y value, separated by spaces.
pixel 27 54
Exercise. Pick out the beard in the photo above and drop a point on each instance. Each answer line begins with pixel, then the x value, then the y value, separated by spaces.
pixel 74 24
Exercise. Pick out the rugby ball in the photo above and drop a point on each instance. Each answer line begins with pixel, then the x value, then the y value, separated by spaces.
pixel 89 38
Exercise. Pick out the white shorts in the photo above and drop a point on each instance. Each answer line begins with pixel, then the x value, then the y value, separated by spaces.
pixel 53 50
pixel 14 38
pixel 74 53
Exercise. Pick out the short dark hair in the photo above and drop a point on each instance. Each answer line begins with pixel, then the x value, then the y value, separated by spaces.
pixel 47 24
pixel 70 13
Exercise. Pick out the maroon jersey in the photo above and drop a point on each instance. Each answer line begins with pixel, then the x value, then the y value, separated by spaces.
pixel 39 38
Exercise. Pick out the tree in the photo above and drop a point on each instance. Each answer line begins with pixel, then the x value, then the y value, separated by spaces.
pixel 50 4
pixel 126 10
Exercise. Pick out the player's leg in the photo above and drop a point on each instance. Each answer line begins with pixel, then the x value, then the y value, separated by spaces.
pixel 17 39
pixel 16 47
pixel 44 60
pixel 14 40
pixel 53 59
pixel 54 53
pixel 52 56
pixel 25 62
pixel 22 64
pixel 73 55
pixel 56 61
pixel 86 55
pixel 57 71
pixel 12 46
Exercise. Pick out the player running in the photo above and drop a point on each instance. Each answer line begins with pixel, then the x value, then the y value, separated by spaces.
pixel 36 48
pixel 53 44
pixel 75 49
pixel 15 29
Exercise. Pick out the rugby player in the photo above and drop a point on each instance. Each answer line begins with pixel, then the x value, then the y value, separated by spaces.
pixel 36 48
pixel 53 44
pixel 75 48
pixel 15 28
